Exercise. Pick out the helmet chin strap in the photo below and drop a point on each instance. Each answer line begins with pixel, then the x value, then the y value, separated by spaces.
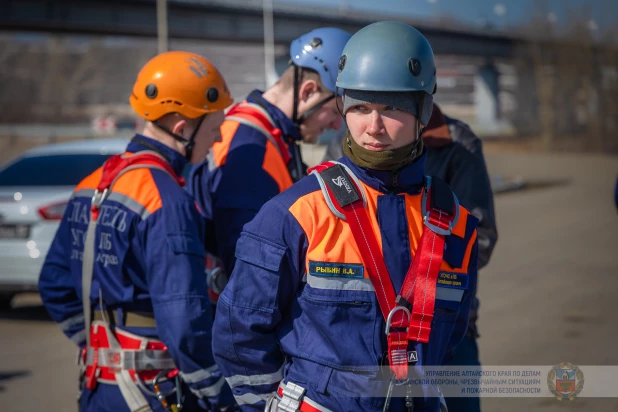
pixel 298 71
pixel 188 144
pixel 314 109
pixel 418 140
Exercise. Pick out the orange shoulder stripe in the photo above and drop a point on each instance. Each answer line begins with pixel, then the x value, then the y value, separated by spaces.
pixel 222 148
pixel 139 185
pixel 274 166
pixel 91 181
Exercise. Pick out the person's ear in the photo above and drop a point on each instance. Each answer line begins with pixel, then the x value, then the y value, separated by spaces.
pixel 180 127
pixel 307 89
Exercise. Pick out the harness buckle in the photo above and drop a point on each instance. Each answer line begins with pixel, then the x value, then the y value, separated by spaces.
pixel 292 397
pixel 389 319
pixel 435 228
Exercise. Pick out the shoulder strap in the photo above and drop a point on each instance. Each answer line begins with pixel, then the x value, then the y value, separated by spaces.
pixel 440 206
pixel 118 165
pixel 255 116
pixel 343 195
pixel 339 185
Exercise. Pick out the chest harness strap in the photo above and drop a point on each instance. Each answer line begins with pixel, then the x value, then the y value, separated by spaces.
pixel 409 314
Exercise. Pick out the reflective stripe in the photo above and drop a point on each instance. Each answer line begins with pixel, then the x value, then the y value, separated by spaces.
pixel 339 283
pixel 199 375
pixel 83 193
pixel 454 295
pixel 79 337
pixel 212 165
pixel 124 200
pixel 327 197
pixel 264 379
pixel 260 109
pixel 252 398
pixel 209 391
pixel 67 324
pixel 130 203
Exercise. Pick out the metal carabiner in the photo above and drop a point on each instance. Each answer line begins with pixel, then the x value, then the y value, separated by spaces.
pixel 96 199
pixel 162 397
pixel 389 319
pixel 158 393
pixel 217 279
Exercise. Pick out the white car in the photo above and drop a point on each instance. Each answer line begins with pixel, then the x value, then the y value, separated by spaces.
pixel 34 191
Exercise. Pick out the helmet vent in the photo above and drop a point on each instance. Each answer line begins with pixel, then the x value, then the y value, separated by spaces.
pixel 415 67
pixel 212 94
pixel 342 61
pixel 151 91
pixel 315 43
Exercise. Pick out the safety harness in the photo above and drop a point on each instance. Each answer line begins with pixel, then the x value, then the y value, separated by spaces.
pixel 409 314
pixel 292 398
pixel 116 356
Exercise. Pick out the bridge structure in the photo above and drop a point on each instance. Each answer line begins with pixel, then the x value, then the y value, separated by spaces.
pixel 231 20
pixel 470 75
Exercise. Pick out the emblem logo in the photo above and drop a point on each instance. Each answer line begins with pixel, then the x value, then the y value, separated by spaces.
pixel 565 381
pixel 341 181
pixel 197 67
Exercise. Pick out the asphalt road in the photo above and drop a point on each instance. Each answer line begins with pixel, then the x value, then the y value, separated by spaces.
pixel 548 295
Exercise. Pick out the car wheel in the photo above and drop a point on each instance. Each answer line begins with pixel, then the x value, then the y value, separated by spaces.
pixel 5 300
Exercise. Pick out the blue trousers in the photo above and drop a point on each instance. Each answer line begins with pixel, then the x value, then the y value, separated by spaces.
pixel 466 354
pixel 108 398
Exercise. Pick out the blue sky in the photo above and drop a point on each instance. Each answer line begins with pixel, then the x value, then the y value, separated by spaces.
pixel 501 13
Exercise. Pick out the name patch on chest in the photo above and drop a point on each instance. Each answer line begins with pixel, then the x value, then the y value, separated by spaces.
pixel 453 280
pixel 336 269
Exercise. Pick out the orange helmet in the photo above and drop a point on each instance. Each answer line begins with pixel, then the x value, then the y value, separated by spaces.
pixel 179 82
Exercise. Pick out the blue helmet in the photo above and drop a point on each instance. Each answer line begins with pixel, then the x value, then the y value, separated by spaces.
pixel 388 56
pixel 320 50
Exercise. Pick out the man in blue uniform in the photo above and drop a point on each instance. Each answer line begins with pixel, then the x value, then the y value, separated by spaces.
pixel 128 257
pixel 259 155
pixel 363 263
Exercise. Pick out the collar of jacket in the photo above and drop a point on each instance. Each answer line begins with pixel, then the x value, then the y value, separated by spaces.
pixel 289 129
pixel 436 133
pixel 140 143
pixel 408 180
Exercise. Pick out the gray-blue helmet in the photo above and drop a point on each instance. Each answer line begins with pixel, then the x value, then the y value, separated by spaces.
pixel 390 56
pixel 320 50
